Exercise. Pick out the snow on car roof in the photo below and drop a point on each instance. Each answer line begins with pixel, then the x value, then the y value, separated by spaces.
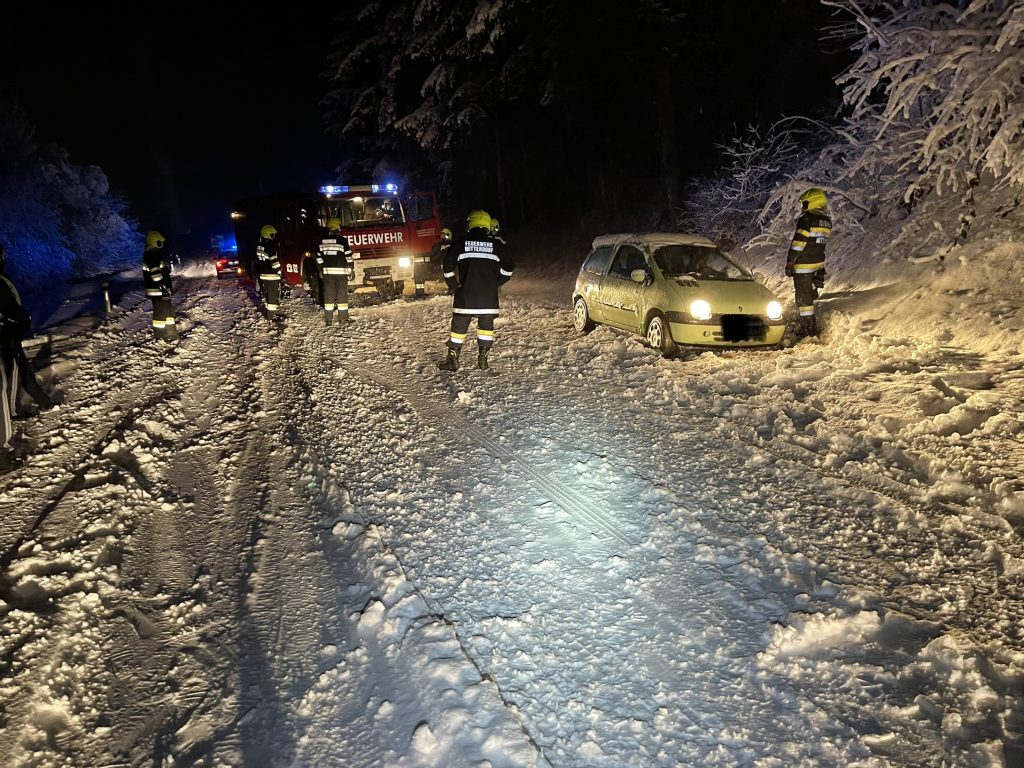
pixel 654 238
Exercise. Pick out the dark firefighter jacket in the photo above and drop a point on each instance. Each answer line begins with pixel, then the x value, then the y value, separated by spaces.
pixel 807 251
pixel 156 273
pixel 334 256
pixel 267 262
pixel 474 266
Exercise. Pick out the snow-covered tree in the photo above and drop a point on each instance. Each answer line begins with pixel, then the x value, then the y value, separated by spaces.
pixel 934 108
pixel 469 85
pixel 936 97
pixel 57 219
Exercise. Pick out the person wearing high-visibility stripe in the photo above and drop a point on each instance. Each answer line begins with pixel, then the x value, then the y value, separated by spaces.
pixel 269 266
pixel 805 262
pixel 474 266
pixel 156 282
pixel 334 258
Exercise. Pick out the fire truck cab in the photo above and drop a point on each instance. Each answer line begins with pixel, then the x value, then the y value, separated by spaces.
pixel 392 236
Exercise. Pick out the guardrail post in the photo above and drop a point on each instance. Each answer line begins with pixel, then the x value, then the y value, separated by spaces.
pixel 106 297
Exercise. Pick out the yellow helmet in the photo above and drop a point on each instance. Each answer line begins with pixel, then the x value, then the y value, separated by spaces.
pixel 268 232
pixel 813 199
pixel 495 226
pixel 478 220
pixel 446 234
pixel 154 239
pixel 334 225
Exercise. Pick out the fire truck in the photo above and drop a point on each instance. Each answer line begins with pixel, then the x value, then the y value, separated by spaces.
pixel 391 235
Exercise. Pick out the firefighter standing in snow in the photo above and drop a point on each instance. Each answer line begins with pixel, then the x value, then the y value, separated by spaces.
pixel 156 279
pixel 334 256
pixel 269 266
pixel 474 266
pixel 805 262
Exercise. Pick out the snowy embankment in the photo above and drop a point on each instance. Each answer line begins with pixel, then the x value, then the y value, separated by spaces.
pixel 309 547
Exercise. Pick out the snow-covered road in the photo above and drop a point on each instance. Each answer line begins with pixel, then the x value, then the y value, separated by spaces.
pixel 310 547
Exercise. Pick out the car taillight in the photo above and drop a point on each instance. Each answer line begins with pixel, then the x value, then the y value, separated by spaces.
pixel 221 262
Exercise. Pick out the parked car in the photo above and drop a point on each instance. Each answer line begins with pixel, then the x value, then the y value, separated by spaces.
pixel 228 265
pixel 675 290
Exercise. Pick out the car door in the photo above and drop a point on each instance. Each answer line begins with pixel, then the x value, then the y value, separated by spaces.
pixel 620 295
pixel 588 284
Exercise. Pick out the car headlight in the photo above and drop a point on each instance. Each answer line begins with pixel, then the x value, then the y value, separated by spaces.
pixel 404 262
pixel 700 310
pixel 774 310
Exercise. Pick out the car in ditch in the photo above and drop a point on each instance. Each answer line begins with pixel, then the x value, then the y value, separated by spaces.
pixel 676 290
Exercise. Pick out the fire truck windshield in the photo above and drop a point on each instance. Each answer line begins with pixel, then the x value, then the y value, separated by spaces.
pixel 368 211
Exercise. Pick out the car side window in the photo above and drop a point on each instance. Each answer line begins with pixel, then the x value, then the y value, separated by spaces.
pixel 597 261
pixel 627 259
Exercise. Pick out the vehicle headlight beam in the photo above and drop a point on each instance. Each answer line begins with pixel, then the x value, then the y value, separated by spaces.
pixel 700 309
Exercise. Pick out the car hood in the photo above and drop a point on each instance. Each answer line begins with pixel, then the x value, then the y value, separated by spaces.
pixel 725 296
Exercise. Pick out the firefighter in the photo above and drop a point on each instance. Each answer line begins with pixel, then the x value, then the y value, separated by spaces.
pixel 156 279
pixel 474 266
pixel 334 258
pixel 496 232
pixel 423 262
pixel 805 262
pixel 269 268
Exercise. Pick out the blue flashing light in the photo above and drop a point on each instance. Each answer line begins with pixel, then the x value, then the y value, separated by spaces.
pixel 225 243
pixel 343 188
pixel 332 189
pixel 375 187
pixel 391 187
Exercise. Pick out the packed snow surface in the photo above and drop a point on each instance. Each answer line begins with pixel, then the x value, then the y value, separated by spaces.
pixel 306 546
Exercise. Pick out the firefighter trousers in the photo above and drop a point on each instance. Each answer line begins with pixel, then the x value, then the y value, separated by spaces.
pixel 336 296
pixel 806 295
pixel 271 291
pixel 460 329
pixel 163 318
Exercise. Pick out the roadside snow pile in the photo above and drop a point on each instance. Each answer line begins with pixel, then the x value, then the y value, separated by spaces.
pixel 197 267
pixel 901 279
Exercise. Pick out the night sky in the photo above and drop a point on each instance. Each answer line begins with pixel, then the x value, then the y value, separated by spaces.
pixel 204 104
pixel 201 105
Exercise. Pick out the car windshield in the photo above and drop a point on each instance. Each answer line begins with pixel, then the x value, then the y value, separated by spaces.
pixel 697 261
pixel 369 211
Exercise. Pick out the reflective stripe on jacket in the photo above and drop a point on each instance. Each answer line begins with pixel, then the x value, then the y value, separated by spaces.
pixel 267 262
pixel 474 266
pixel 807 250
pixel 334 256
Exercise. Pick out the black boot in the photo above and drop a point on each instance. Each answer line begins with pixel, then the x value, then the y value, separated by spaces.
pixel 328 317
pixel 808 326
pixel 451 362
pixel 481 360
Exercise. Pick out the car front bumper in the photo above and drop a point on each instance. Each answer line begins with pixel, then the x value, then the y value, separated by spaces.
pixel 710 334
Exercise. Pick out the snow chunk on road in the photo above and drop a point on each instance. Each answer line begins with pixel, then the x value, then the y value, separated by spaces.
pixel 819 635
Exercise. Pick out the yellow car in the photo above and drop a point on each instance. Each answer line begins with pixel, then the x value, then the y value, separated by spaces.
pixel 675 290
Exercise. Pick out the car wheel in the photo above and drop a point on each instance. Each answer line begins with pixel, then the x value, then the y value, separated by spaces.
pixel 581 316
pixel 659 336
